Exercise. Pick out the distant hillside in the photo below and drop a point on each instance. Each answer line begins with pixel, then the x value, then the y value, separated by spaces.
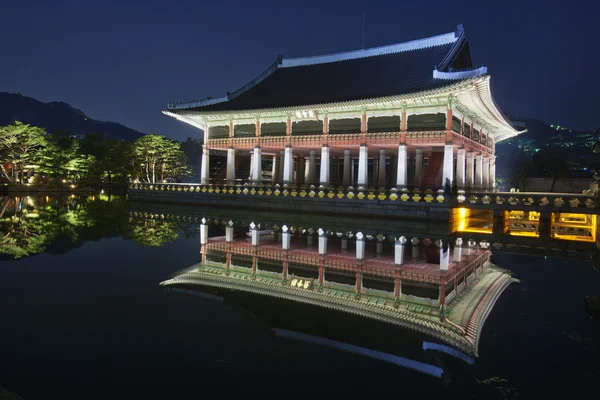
pixel 575 147
pixel 57 115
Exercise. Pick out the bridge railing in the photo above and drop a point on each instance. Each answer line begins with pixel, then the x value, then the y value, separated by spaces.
pixel 528 199
pixel 324 193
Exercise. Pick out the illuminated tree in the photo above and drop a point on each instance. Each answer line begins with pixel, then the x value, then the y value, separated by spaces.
pixel 158 159
pixel 19 145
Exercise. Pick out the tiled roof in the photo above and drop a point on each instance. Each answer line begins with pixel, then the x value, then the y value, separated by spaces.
pixel 365 74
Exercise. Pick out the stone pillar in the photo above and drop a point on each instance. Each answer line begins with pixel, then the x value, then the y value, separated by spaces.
pixel 402 171
pixel 324 179
pixel 418 166
pixel 347 165
pixel 415 247
pixel 399 250
pixel 250 175
pixel 286 238
pixel 360 246
pixel 288 166
pixel 358 281
pixel 230 166
pixel 306 170
pixel 254 234
pixel 397 288
pixel 470 172
pixel 448 172
pixel 478 172
pixel 344 243
pixel 204 168
pixel 256 167
pixel 229 232
pixel 281 166
pixel 485 181
pixel 363 167
pixel 379 245
pixel 301 170
pixel 444 257
pixel 381 178
pixel 322 242
pixel 492 174
pixel 458 250
pixel 203 232
pixel 312 168
pixel 460 168
pixel 275 170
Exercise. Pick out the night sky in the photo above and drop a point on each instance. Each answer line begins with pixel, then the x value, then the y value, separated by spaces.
pixel 123 61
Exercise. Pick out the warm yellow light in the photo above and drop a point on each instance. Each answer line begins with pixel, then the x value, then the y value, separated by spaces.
pixel 528 234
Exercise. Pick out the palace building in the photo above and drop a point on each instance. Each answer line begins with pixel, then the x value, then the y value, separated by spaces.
pixel 416 114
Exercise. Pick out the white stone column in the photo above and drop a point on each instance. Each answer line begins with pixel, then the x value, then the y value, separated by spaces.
pixel 203 232
pixel 254 233
pixel 363 167
pixel 312 168
pixel 448 172
pixel 485 184
pixel 250 176
pixel 418 166
pixel 479 172
pixel 381 178
pixel 458 250
pixel 470 173
pixel 347 165
pixel 322 242
pixel 286 238
pixel 204 168
pixel 256 167
pixel 230 166
pixel 360 246
pixel 492 174
pixel 229 232
pixel 306 171
pixel 288 166
pixel 444 257
pixel 402 171
pixel 324 179
pixel 460 168
pixel 275 170
pixel 399 250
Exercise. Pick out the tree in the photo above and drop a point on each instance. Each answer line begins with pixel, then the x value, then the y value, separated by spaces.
pixel 158 159
pixel 19 145
pixel 61 158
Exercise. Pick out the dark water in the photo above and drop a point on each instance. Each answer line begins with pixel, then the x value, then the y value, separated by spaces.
pixel 83 317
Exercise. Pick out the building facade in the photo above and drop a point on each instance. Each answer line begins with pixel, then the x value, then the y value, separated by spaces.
pixel 408 115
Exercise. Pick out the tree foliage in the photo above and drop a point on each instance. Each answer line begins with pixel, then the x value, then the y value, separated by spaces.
pixel 64 158
pixel 19 146
pixel 158 159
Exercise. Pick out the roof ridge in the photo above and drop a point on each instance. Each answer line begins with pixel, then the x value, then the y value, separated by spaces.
pixel 411 45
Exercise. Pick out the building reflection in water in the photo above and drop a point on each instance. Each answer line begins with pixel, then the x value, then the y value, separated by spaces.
pixel 415 282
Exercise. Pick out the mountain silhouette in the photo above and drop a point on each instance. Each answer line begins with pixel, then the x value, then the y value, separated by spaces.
pixel 58 115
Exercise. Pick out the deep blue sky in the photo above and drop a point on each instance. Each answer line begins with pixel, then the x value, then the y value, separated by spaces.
pixel 124 61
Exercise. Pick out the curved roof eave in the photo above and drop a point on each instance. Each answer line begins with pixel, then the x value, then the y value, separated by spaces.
pixel 442 91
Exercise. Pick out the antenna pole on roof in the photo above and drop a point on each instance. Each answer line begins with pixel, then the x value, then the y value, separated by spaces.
pixel 363 32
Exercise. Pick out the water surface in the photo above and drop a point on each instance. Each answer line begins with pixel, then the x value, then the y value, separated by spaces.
pixel 83 317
